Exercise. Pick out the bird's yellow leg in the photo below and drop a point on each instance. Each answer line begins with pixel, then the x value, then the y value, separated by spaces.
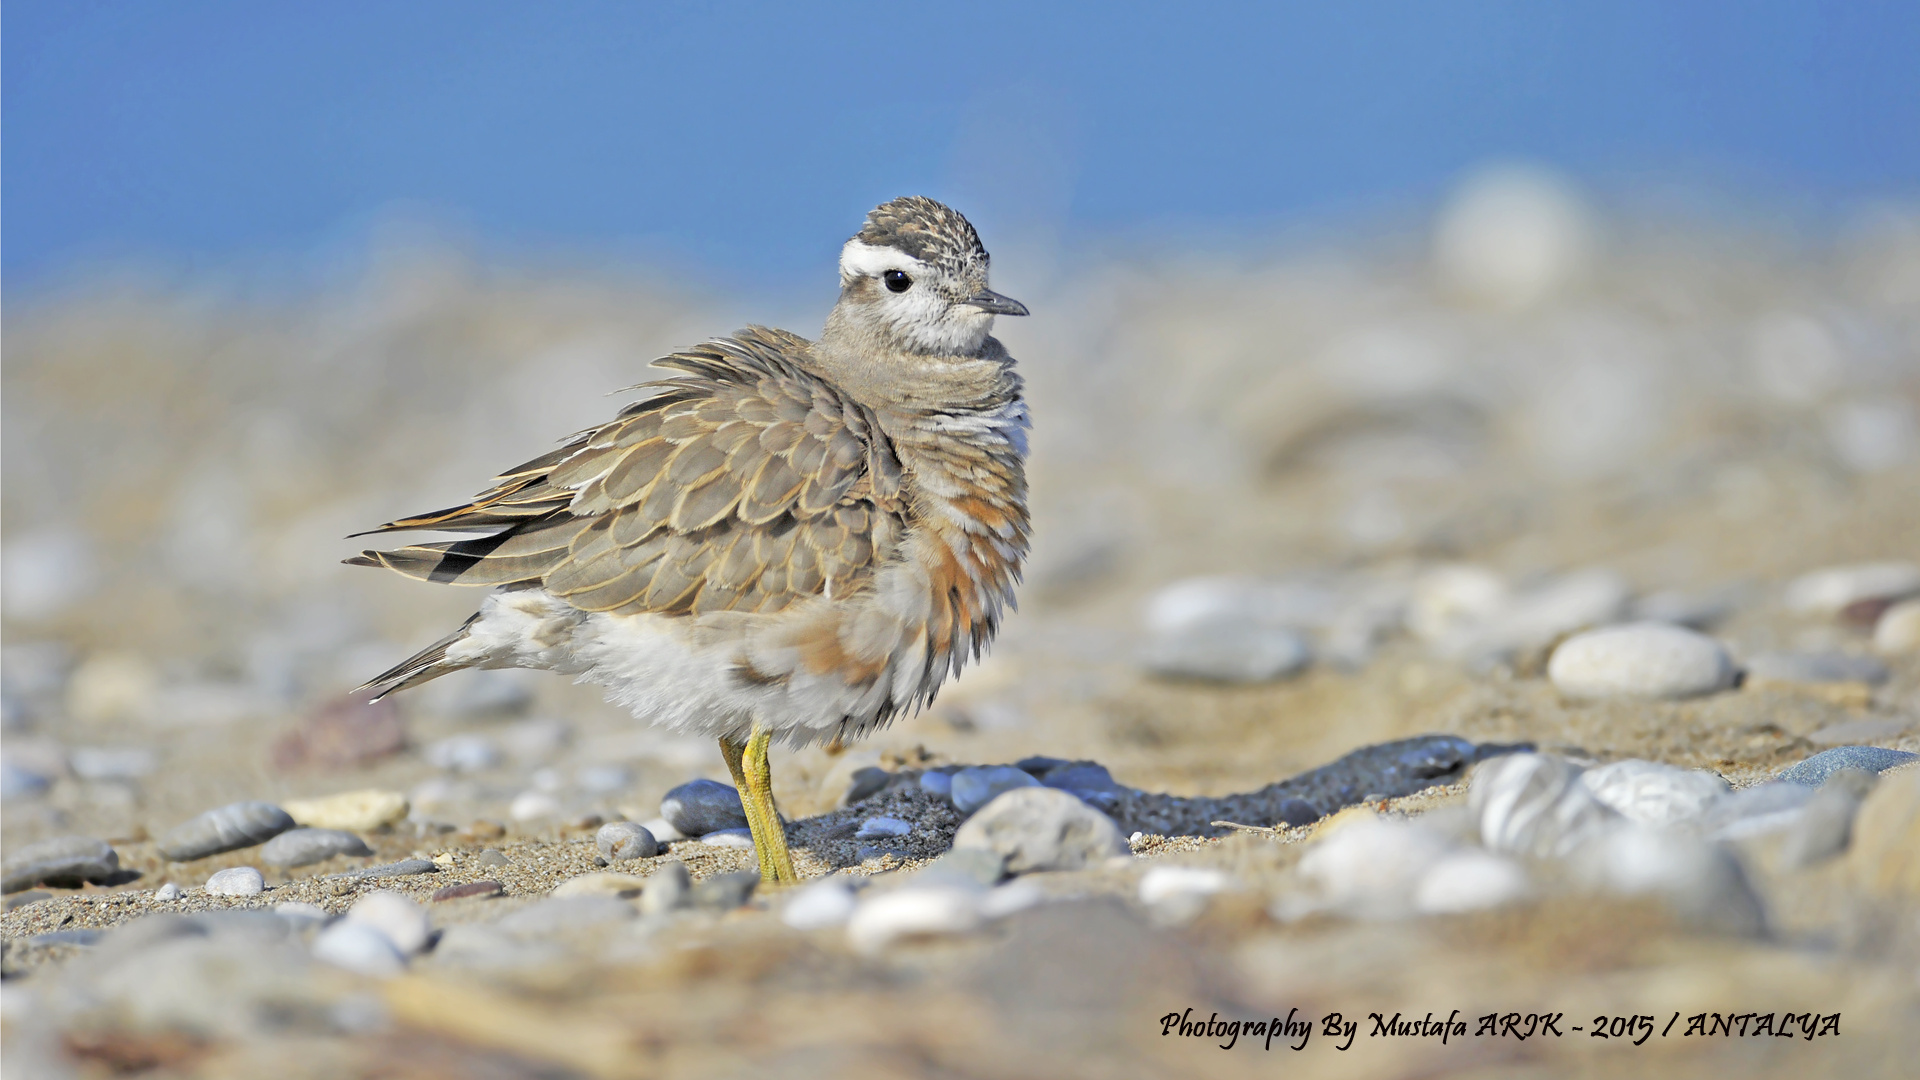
pixel 756 794
pixel 732 752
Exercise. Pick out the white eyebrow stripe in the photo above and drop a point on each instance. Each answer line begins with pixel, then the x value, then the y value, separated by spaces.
pixel 859 259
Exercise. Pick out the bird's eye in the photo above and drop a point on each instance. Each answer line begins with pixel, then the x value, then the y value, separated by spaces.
pixel 897 281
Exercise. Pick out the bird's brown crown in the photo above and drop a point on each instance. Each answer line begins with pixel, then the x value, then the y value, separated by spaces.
pixel 930 231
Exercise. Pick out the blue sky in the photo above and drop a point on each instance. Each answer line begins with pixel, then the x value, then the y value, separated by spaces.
pixel 747 139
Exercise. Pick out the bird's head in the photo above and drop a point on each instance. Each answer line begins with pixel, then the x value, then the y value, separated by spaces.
pixel 915 279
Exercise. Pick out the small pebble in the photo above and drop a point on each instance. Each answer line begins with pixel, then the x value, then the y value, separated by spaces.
pixel 1535 804
pixel 493 857
pixel 1827 591
pixel 663 831
pixel 1787 668
pixel 875 828
pixel 67 861
pixel 1701 882
pixel 402 868
pixel 301 914
pixel 533 806
pixel 1180 893
pixel 1038 828
pixel 699 807
pixel 912 912
pixel 354 811
pixel 1077 776
pixel 302 847
pixel 228 828
pixel 1814 771
pixel 865 782
pixel 825 903
pixel 601 884
pixel 402 921
pixel 1470 880
pixel 1654 794
pixel 20 900
pixel 937 783
pixel 1369 866
pixel 360 948
pixel 977 866
pixel 724 892
pixel 1757 810
pixel 166 892
pixel 1228 651
pixel 566 914
pixel 1898 631
pixel 1640 660
pixel 733 838
pixel 666 889
pixel 978 786
pixel 622 840
pixel 237 881
pixel 472 889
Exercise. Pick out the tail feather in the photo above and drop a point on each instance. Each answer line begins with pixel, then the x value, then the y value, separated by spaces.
pixel 424 666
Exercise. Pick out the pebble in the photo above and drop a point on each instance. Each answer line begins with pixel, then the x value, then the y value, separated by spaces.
pixel 1293 813
pixel 359 948
pixel 237 881
pixel 663 831
pixel 167 892
pixel 977 786
pixel 937 783
pixel 1694 610
pixel 1038 828
pixel 1827 591
pixel 699 807
pixel 228 828
pixel 66 861
pixel 865 782
pixel 601 884
pixel 1825 824
pixel 1884 857
pixel 493 857
pixel 912 912
pixel 875 828
pixel 355 811
pixel 1076 776
pixel 465 752
pixel 301 847
pixel 1229 651
pixel 1470 880
pixel 1788 668
pixel 1654 794
pixel 300 915
pixel 402 921
pixel 1369 866
pixel 344 733
pixel 724 892
pixel 826 903
pixel 622 840
pixel 1757 810
pixel 666 889
pixel 964 864
pixel 532 806
pixel 472 889
pixel 557 915
pixel 1814 771
pixel 1898 631
pixel 1535 804
pixel 403 868
pixel 1701 882
pixel 733 838
pixel 1640 660
pixel 20 900
pixel 1178 894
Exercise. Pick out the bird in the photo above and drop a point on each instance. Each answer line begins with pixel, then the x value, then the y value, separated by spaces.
pixel 788 540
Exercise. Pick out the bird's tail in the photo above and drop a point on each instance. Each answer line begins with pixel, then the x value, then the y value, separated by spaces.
pixel 424 666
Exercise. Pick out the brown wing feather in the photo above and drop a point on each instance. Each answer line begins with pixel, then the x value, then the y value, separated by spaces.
pixel 745 485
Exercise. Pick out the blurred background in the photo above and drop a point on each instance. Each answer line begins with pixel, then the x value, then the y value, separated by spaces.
pixel 1412 336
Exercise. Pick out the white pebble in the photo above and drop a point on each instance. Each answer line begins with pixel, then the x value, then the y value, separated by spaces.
pixel 169 891
pixel 237 881
pixel 359 948
pixel 876 827
pixel 299 913
pixel 1701 881
pixel 1165 882
pixel 1898 631
pixel 1653 794
pixel 402 921
pixel 1470 880
pixel 826 903
pixel 733 838
pixel 1826 591
pixel 1534 804
pixel 663 830
pixel 532 806
pixel 912 912
pixel 1003 900
pixel 1369 868
pixel 1640 660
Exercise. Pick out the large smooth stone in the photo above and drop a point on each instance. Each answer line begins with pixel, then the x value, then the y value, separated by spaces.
pixel 1826 591
pixel 354 811
pixel 1701 882
pixel 1874 759
pixel 1039 828
pixel 302 847
pixel 67 861
pixel 1228 652
pixel 1640 660
pixel 622 840
pixel 228 828
pixel 1885 855
pixel 1654 794
pixel 1535 804
pixel 977 786
pixel 699 807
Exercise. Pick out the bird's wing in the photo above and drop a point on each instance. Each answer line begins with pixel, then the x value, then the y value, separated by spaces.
pixel 745 485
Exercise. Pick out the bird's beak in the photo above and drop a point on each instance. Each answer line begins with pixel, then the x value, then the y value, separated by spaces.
pixel 994 304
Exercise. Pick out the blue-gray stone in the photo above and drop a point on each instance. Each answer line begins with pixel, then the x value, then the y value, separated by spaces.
pixel 937 783
pixel 403 868
pixel 1752 811
pixel 67 861
pixel 1814 771
pixel 301 847
pixel 976 787
pixel 1079 776
pixel 699 807
pixel 621 840
pixel 864 783
pixel 228 828
pixel 1295 812
pixel 724 892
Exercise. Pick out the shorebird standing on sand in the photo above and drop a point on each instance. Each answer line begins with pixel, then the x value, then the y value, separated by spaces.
pixel 794 540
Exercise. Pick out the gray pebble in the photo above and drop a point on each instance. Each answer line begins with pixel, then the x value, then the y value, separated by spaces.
pixel 1038 828
pixel 560 914
pixel 1640 660
pixel 1228 652
pixel 877 828
pixel 300 847
pixel 978 866
pixel 666 889
pixel 230 827
pixel 237 881
pixel 402 868
pixel 493 857
pixel 1824 826
pixel 1701 882
pixel 937 783
pixel 865 782
pixel 67 861
pixel 620 840
pixel 724 892
pixel 1076 776
pixel 1753 811
pixel 1814 771
pixel 1296 812
pixel 166 892
pixel 699 807
pixel 359 948
pixel 978 786
pixel 1815 668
